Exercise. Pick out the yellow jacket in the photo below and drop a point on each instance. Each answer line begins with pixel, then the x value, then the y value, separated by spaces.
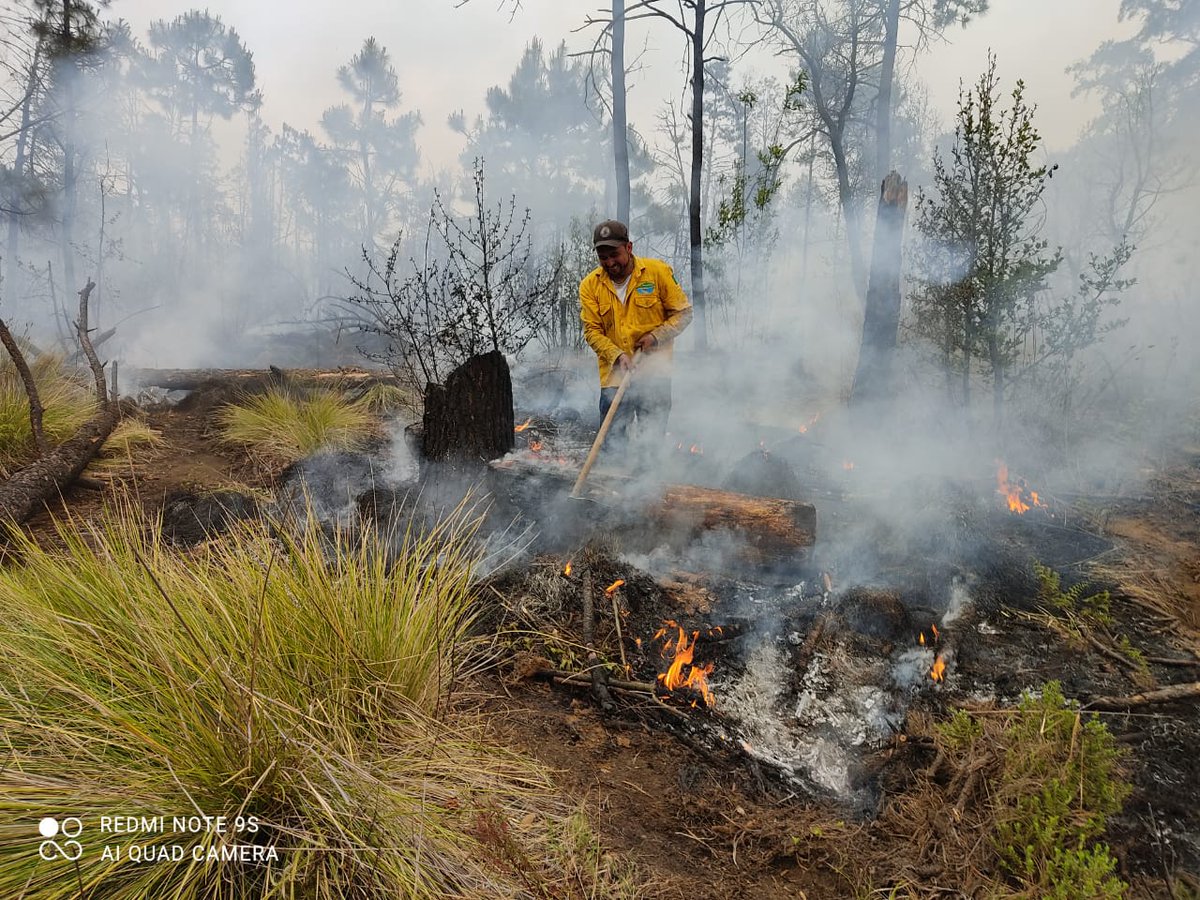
pixel 654 303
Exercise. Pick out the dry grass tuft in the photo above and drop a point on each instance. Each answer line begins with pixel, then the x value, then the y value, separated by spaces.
pixel 285 426
pixel 68 404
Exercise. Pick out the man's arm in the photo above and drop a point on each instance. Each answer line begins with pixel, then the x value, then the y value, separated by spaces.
pixel 676 305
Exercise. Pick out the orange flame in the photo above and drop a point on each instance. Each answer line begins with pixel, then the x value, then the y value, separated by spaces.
pixel 921 639
pixel 523 425
pixel 848 465
pixel 697 449
pixel 1016 493
pixel 567 569
pixel 611 589
pixel 680 653
pixel 810 423
pixel 938 672
pixel 535 446
pixel 936 634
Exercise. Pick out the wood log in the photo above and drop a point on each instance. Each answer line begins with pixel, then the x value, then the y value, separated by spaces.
pixel 765 531
pixel 1167 694
pixel 193 379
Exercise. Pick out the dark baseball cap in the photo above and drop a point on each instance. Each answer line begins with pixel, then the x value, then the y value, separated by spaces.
pixel 610 234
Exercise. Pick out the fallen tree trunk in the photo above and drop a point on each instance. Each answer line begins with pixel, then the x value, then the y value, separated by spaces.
pixel 193 379
pixel 29 488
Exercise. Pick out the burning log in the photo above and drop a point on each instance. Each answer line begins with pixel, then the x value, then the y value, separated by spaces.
pixel 770 531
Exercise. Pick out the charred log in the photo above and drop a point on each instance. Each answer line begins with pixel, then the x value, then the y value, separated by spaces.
pixel 765 531
pixel 470 418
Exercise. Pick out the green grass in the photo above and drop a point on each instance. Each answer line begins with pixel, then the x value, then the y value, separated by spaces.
pixel 272 677
pixel 67 405
pixel 129 438
pixel 286 427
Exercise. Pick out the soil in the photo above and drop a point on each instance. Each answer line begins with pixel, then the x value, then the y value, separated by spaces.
pixel 708 822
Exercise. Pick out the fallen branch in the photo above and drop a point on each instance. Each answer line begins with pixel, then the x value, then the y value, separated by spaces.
pixel 1162 695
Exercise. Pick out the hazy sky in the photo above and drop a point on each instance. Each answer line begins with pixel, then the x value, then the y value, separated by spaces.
pixel 448 57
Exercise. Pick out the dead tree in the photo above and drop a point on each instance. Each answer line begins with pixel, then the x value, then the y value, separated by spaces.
pixel 35 399
pixel 881 322
pixel 47 476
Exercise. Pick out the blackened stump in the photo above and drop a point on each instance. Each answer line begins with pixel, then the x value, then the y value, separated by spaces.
pixel 470 417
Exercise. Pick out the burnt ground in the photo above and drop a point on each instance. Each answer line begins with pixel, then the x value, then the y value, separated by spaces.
pixel 702 817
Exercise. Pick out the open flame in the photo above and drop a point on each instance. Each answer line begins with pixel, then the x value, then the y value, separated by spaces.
pixel 937 636
pixel 1016 493
pixel 611 589
pixel 848 465
pixel 567 569
pixel 523 425
pixel 535 446
pixel 921 639
pixel 938 672
pixel 810 423
pixel 679 650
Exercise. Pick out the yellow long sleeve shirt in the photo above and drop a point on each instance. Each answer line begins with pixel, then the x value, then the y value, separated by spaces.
pixel 654 304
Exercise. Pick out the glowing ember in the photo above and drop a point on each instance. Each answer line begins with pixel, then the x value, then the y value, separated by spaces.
pixel 613 587
pixel 696 449
pixel 938 672
pixel 848 465
pixel 523 425
pixel 1016 493
pixel 567 569
pixel 810 423
pixel 535 446
pixel 680 653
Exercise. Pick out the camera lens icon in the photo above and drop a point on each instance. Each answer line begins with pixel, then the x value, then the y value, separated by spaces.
pixel 70 827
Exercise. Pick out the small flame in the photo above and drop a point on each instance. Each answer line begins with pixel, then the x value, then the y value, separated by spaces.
pixel 938 672
pixel 936 634
pixel 810 423
pixel 535 446
pixel 1016 493
pixel 611 589
pixel 696 449
pixel 921 639
pixel 680 653
pixel 567 569
pixel 523 425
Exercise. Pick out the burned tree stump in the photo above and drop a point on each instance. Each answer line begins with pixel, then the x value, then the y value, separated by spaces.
pixel 470 418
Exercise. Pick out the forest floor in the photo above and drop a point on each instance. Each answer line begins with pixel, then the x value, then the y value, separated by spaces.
pixel 696 828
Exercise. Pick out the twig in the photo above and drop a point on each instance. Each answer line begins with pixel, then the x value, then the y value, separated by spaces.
pixel 599 679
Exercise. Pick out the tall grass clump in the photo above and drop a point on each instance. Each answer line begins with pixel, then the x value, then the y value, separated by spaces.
pixel 67 405
pixel 287 426
pixel 281 683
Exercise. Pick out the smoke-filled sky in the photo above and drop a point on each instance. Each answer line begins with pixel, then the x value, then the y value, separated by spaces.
pixel 448 56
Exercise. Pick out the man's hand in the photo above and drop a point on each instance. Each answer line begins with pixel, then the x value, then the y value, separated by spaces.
pixel 624 362
pixel 647 342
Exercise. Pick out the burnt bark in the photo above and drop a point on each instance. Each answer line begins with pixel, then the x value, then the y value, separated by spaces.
pixel 470 418
pixel 881 322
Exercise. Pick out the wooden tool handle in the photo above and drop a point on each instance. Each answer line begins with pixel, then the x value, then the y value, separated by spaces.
pixel 604 426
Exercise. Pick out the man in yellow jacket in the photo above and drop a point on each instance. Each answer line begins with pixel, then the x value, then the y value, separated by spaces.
pixel 628 304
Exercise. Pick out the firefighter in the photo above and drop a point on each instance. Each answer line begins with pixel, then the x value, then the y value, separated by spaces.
pixel 628 304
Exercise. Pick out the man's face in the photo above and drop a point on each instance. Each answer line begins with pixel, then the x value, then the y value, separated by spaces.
pixel 617 262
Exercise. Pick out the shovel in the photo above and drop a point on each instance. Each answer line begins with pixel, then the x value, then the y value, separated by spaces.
pixel 603 432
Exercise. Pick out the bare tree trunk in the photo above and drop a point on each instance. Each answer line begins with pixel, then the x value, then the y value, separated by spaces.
pixel 883 103
pixel 620 125
pixel 695 235
pixel 18 170
pixel 31 391
pixel 881 323
pixel 470 418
